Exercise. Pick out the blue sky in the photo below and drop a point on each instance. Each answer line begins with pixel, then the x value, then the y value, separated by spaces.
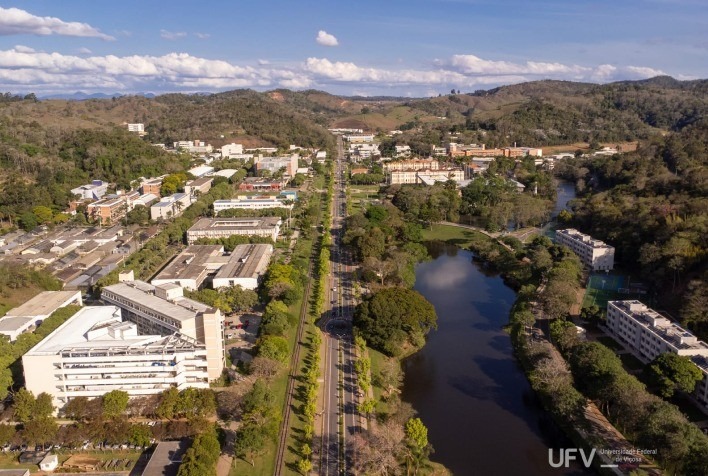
pixel 392 47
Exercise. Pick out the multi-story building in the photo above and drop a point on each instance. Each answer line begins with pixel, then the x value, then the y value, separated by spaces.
pixel 194 146
pixel 138 128
pixel 228 150
pixel 251 203
pixel 422 176
pixel 275 164
pixel 363 151
pixel 359 138
pixel 198 186
pixel 244 266
pixel 470 150
pixel 224 227
pixel 647 334
pixel 95 352
pixel 596 254
pixel 413 164
pixel 522 152
pixel 170 207
pixel 151 185
pixel 31 314
pixel 201 171
pixel 164 310
pixel 260 184
pixel 112 208
pixel 92 191
pixel 403 151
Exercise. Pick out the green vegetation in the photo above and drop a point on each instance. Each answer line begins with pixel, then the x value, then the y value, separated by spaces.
pixel 201 458
pixel 670 372
pixel 228 299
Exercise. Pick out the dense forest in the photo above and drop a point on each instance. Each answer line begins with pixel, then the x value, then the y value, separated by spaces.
pixel 652 206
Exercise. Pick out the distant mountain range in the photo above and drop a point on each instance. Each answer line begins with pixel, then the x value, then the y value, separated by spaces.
pixel 81 96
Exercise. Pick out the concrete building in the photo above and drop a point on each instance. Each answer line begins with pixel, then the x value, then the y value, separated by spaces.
pixel 193 146
pixel 92 191
pixel 522 152
pixel 224 227
pixel 359 138
pixel 244 266
pixel 164 310
pixel 226 173
pixel 321 156
pixel 170 207
pixel 596 254
pixel 151 185
pixel 423 176
pixel 647 334
pixel 201 171
pixel 471 150
pixel 166 459
pixel 245 202
pixel 260 184
pixel 95 352
pixel 112 208
pixel 49 463
pixel 228 150
pixel 198 186
pixel 403 151
pixel 31 314
pixel 414 164
pixel 275 164
pixel 138 128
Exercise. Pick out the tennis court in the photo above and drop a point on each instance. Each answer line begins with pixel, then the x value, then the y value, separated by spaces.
pixel 604 287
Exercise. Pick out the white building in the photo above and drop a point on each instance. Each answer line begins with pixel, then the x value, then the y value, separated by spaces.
pixel 224 227
pixel 170 207
pixel 33 312
pixel 201 171
pixel 95 352
pixel 423 176
pixel 403 151
pixel 138 128
pixel 321 155
pixel 49 463
pixel 92 191
pixel 596 254
pixel 275 164
pixel 164 310
pixel 226 173
pixel 194 146
pixel 229 150
pixel 359 138
pixel 648 334
pixel 244 266
pixel 246 202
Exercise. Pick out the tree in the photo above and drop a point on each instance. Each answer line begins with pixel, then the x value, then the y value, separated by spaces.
pixel 140 435
pixel 670 372
pixel 24 405
pixel 43 214
pixel 417 441
pixel 393 319
pixel 262 367
pixel 273 347
pixel 43 406
pixel 250 440
pixel 169 402
pixel 40 431
pixel 564 334
pixel 114 403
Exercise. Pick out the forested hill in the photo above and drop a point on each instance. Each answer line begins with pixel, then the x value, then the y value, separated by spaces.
pixel 547 112
pixel 49 147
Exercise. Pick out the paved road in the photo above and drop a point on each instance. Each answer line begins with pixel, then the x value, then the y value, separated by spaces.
pixel 340 416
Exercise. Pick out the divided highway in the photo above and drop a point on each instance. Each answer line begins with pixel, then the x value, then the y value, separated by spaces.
pixel 340 418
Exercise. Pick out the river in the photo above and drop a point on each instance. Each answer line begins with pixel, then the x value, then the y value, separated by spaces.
pixel 482 416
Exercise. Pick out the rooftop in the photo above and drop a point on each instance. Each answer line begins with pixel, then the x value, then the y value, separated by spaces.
pixel 235 223
pixel 140 292
pixel 191 262
pixel 166 458
pixel 44 303
pixel 578 236
pixel 246 261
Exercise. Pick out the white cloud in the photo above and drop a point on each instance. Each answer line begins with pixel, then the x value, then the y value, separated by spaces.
pixel 325 39
pixel 172 35
pixel 23 69
pixel 84 51
pixel 14 21
pixel 202 36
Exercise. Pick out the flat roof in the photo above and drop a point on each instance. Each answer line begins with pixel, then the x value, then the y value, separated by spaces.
pixel 246 261
pixel 235 223
pixel 44 303
pixel 142 293
pixel 13 323
pixel 166 458
pixel 190 263
pixel 200 181
pixel 74 335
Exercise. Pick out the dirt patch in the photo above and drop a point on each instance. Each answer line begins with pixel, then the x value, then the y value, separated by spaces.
pixel 275 95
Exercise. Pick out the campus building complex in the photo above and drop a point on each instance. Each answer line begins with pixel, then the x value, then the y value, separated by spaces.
pixel 95 352
pixel 164 310
pixel 596 254
pixel 648 334
pixel 251 203
pixel 244 267
pixel 31 314
pixel 224 227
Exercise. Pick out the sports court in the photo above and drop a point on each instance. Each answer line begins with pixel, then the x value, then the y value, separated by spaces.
pixel 603 287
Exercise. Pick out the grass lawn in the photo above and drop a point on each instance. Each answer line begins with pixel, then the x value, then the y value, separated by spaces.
pixel 461 237
pixel 9 461
pixel 610 342
pixel 377 360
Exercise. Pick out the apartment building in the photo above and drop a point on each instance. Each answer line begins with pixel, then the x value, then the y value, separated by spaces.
pixel 29 315
pixel 228 150
pixel 596 254
pixel 112 208
pixel 244 266
pixel 471 150
pixel 164 310
pixel 170 207
pixel 224 227
pixel 403 151
pixel 137 128
pixel 96 351
pixel 647 334
pixel 251 203
pixel 522 152
pixel 413 164
pixel 151 185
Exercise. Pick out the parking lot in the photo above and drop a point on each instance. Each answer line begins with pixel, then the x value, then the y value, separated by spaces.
pixel 240 334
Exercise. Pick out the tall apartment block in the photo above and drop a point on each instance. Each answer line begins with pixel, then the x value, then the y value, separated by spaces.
pixel 596 254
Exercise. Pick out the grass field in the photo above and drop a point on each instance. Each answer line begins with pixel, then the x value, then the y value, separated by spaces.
pixel 454 235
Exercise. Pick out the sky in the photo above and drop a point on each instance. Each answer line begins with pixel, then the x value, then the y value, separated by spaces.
pixel 410 48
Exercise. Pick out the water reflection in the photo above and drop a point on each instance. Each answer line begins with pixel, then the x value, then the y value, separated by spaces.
pixel 466 384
